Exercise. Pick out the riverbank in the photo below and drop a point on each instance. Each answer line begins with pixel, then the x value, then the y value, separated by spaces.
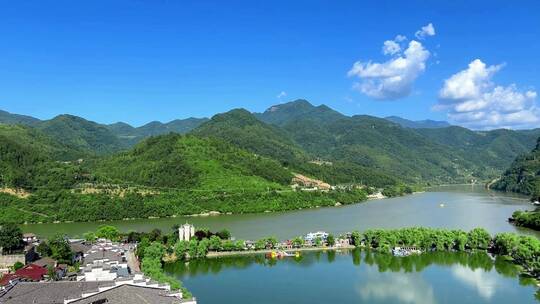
pixel 420 209
pixel 218 254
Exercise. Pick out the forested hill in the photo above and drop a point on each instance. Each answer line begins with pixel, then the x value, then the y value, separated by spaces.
pixel 316 141
pixel 523 176
pixel 166 175
pixel 29 159
pixel 437 155
pixel 185 162
pixel 242 129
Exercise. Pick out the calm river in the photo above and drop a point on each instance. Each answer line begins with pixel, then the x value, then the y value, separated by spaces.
pixel 465 207
pixel 351 276
pixel 355 277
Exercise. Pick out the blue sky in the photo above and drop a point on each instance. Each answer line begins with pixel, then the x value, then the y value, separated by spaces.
pixel 138 61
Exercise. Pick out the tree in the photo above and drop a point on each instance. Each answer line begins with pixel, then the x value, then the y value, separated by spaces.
pixel 215 243
pixel 155 235
pixel 10 237
pixel 18 265
pixel 330 240
pixel 108 232
pixel 506 243
pixel 44 249
pixel 89 237
pixel 141 247
pixel 272 242
pixel 478 238
pixel 297 242
pixel 224 234
pixel 356 238
pixel 181 249
pixel 260 244
pixel 175 231
pixel 60 249
pixel 134 236
pixel 51 272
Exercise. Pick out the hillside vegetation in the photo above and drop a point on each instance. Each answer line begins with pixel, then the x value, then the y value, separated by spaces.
pixel 238 161
pixel 173 175
pixel 29 160
pixel 523 176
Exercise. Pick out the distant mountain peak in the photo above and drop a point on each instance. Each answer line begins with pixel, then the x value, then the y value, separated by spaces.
pixel 418 124
pixel 10 118
pixel 291 105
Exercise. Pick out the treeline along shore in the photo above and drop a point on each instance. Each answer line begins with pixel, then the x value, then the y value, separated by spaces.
pixel 154 249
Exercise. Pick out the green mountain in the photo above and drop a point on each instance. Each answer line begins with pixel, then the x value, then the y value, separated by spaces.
pixel 494 150
pixel 129 135
pixel 12 119
pixel 162 176
pixel 418 124
pixel 286 113
pixel 30 159
pixel 523 176
pixel 178 161
pixel 369 142
pixel 438 155
pixel 81 134
pixel 180 126
pixel 242 129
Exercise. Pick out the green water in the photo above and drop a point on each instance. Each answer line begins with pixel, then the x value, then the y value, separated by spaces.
pixel 355 277
pixel 351 276
pixel 465 207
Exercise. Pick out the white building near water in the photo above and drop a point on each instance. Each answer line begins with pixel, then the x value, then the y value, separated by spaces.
pixel 186 232
pixel 312 236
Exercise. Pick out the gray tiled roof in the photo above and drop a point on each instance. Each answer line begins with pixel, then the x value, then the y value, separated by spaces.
pixel 79 247
pixel 49 292
pixel 128 294
pixel 101 255
pixel 45 262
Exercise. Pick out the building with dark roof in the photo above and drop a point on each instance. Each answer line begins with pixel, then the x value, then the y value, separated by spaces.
pixel 63 292
pixel 128 294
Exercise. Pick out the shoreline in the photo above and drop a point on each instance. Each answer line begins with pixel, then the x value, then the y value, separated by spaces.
pixel 217 213
pixel 219 254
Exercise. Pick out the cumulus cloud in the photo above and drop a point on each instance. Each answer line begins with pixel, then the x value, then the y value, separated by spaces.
pixel 281 94
pixel 425 31
pixel 394 78
pixel 472 99
pixel 391 47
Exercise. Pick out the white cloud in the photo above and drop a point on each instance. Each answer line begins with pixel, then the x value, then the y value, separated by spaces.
pixel 281 94
pixel 425 31
pixel 391 47
pixel 394 78
pixel 473 100
pixel 400 38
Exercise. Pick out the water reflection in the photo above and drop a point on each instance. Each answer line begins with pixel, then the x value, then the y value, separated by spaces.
pixel 478 279
pixel 396 287
pixel 363 277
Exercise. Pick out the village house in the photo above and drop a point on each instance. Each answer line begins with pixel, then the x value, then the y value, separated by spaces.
pixel 30 272
pixel 91 293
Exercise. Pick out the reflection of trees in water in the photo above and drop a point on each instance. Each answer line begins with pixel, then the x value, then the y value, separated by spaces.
pixel 383 262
